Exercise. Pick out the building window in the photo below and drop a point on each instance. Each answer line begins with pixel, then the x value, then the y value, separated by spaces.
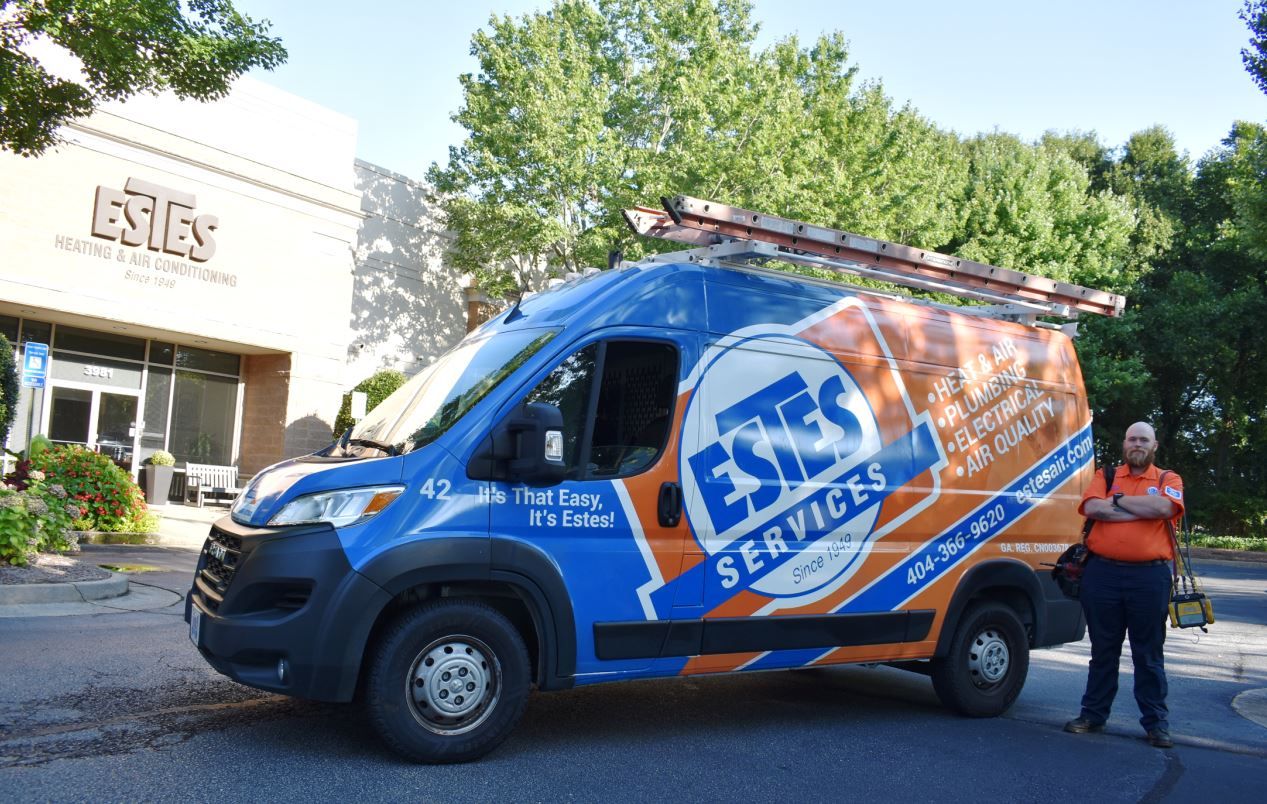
pixel 204 409
pixel 161 352
pixel 158 392
pixel 38 331
pixel 105 344
pixel 187 357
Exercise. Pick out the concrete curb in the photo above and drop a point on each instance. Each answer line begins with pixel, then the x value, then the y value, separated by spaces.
pixel 1252 705
pixel 1218 554
pixel 76 592
pixel 105 537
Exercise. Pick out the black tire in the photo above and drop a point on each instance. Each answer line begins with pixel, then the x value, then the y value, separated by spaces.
pixel 984 671
pixel 448 681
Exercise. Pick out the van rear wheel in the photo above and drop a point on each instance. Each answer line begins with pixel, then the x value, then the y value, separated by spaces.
pixel 985 670
pixel 448 682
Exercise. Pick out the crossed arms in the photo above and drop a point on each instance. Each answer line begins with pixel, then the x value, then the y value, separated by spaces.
pixel 1130 508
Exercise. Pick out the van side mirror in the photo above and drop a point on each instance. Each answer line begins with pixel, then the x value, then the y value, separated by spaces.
pixel 526 446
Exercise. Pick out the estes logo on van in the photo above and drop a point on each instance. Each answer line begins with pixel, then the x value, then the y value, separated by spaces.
pixel 785 489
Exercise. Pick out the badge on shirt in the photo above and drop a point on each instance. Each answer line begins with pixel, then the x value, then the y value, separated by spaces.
pixel 1152 490
pixel 1173 493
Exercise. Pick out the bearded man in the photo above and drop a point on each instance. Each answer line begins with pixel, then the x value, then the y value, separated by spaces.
pixel 1126 584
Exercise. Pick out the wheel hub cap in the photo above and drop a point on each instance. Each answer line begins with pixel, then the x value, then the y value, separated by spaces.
pixel 989 658
pixel 453 683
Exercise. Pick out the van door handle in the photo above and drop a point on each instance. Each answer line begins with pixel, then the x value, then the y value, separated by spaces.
pixel 670 505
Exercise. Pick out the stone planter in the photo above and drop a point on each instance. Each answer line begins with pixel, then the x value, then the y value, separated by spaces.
pixel 115 537
pixel 158 483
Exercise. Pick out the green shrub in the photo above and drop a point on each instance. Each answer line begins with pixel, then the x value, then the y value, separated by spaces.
pixel 108 498
pixel 8 388
pixel 162 457
pixel 147 522
pixel 36 518
pixel 376 388
pixel 18 534
pixel 17 479
pixel 1257 545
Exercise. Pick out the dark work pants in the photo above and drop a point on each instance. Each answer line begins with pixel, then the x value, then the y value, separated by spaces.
pixel 1120 600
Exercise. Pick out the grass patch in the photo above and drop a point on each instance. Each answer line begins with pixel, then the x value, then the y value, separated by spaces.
pixel 130 568
pixel 1250 543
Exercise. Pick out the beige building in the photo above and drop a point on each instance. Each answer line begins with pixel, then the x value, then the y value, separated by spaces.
pixel 212 278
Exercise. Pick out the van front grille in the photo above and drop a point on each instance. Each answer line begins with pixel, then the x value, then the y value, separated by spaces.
pixel 220 555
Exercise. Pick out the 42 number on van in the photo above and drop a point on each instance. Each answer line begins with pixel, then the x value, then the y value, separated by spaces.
pixel 436 489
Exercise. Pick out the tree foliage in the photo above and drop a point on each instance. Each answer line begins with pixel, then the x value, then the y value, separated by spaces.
pixel 1188 355
pixel 8 389
pixel 1033 208
pixel 591 107
pixel 1254 57
pixel 195 48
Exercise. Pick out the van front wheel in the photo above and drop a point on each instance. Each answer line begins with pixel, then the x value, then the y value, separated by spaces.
pixel 448 681
pixel 984 671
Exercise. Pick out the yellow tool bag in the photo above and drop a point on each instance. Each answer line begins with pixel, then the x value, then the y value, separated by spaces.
pixel 1189 607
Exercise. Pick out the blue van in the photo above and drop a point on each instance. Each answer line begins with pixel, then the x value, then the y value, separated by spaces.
pixel 665 469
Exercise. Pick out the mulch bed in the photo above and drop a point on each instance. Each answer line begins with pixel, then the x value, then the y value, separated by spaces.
pixel 48 568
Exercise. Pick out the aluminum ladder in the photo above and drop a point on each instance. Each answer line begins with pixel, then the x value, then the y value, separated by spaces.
pixel 732 236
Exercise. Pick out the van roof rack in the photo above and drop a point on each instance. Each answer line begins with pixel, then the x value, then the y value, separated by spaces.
pixel 730 235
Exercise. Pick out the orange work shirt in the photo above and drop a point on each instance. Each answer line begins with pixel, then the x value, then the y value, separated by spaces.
pixel 1140 539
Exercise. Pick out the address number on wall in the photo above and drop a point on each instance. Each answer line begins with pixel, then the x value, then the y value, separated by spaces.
pixel 99 371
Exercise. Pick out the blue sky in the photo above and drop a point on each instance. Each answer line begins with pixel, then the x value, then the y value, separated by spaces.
pixel 1112 66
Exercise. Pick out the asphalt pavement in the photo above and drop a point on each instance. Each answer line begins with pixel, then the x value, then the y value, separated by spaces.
pixel 115 704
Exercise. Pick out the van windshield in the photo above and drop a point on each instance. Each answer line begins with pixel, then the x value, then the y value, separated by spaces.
pixel 441 394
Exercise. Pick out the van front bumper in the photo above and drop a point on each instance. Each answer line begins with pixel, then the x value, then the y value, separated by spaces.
pixel 281 609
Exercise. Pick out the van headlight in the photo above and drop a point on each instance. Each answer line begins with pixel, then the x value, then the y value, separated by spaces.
pixel 339 508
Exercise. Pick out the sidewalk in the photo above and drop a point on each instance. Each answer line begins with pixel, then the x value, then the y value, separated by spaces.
pixel 186 526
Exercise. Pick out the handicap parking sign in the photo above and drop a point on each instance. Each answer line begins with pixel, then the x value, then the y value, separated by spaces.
pixel 34 364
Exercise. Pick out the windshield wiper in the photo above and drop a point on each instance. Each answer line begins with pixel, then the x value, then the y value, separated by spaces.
pixel 390 449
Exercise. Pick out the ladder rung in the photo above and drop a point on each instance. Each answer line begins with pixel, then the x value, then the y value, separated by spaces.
pixel 702 223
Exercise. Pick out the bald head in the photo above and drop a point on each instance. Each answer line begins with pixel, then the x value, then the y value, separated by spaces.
pixel 1140 445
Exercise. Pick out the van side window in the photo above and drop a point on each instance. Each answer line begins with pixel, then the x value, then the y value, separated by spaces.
pixel 568 389
pixel 635 383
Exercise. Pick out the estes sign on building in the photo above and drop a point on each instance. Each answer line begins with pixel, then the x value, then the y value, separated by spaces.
pixel 160 218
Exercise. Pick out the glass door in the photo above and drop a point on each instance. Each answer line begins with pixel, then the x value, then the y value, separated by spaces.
pixel 103 421
pixel 116 427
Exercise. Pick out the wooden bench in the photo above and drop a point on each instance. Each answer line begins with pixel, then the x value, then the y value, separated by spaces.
pixel 208 480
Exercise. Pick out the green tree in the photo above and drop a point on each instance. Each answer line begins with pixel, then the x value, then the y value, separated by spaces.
pixel 376 387
pixel 590 107
pixel 195 48
pixel 1032 208
pixel 1085 148
pixel 1228 253
pixel 1124 364
pixel 1189 353
pixel 1254 57
pixel 8 389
